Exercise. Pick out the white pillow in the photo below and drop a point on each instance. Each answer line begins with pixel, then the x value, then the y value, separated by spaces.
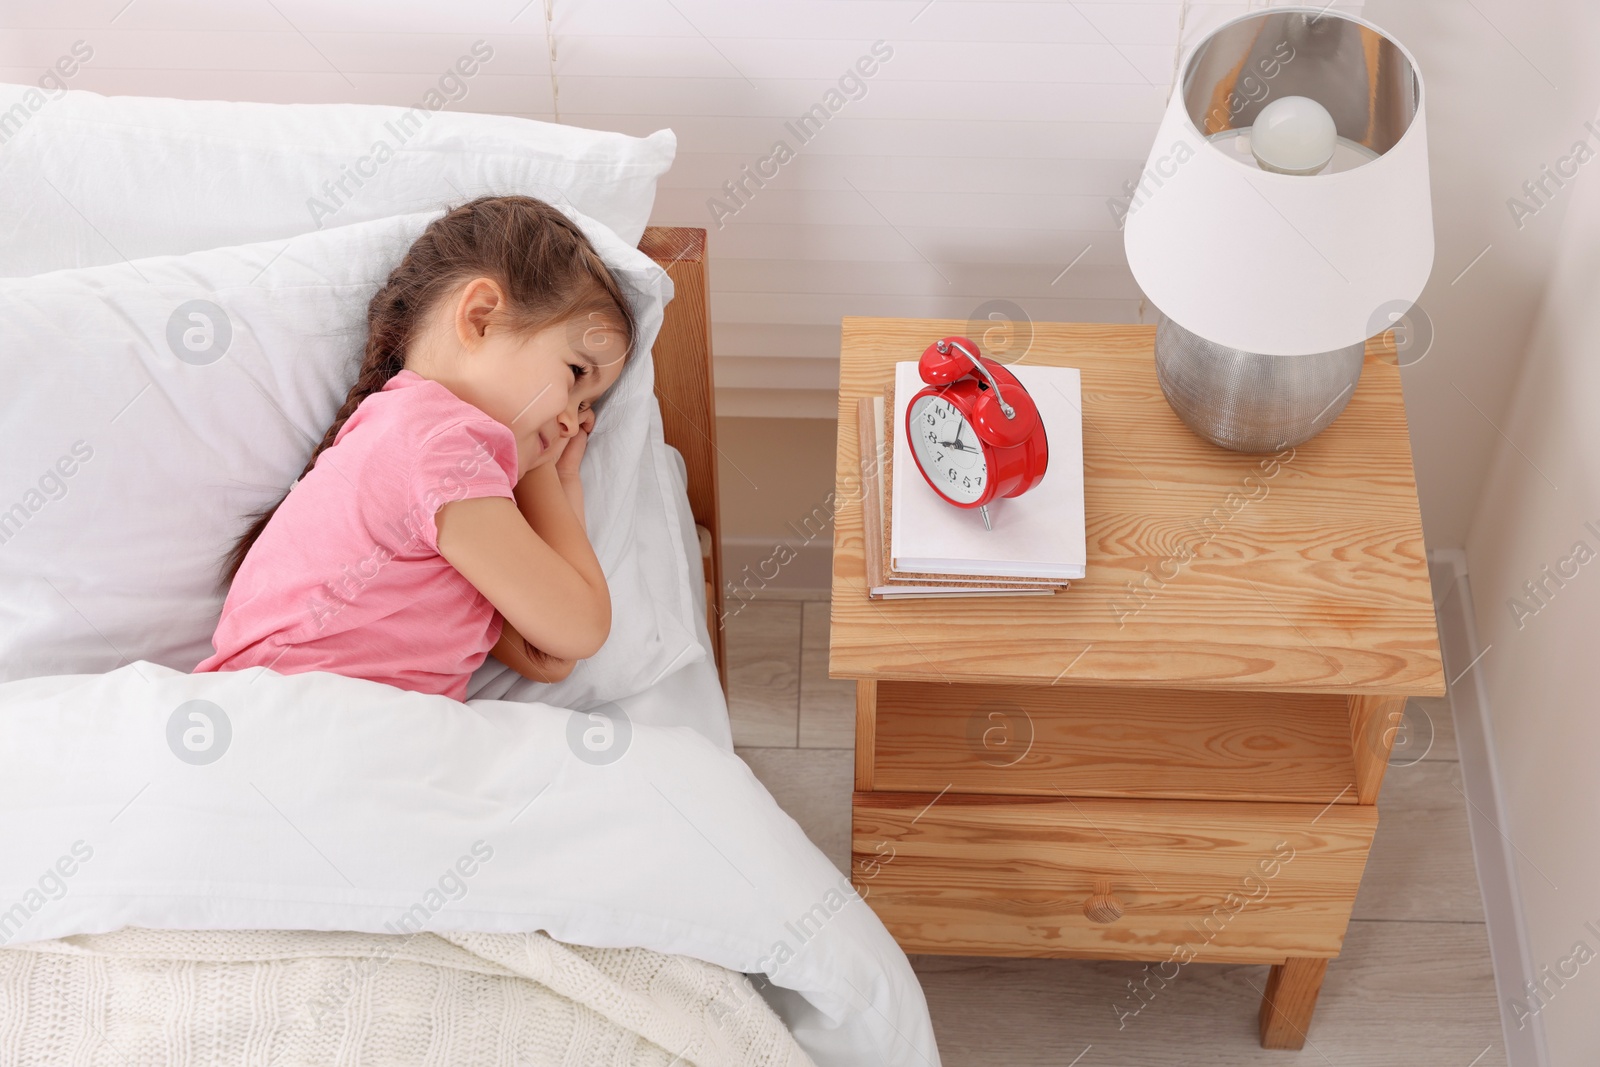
pixel 131 461
pixel 93 179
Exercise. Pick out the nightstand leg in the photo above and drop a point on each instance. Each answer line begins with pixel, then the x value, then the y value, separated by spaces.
pixel 866 731
pixel 1291 997
pixel 1374 722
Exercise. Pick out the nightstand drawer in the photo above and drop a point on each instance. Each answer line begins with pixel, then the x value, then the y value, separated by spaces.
pixel 1093 741
pixel 1010 876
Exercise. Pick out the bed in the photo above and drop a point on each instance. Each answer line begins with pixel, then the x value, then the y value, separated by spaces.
pixel 326 888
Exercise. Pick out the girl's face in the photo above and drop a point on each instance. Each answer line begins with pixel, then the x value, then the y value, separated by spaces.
pixel 542 386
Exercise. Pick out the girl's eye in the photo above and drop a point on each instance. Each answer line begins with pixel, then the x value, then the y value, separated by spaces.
pixel 578 370
pixel 583 406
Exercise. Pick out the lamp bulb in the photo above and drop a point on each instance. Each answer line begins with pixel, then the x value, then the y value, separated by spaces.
pixel 1293 135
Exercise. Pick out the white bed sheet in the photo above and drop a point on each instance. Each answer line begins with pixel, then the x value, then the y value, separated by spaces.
pixel 333 803
pixel 691 696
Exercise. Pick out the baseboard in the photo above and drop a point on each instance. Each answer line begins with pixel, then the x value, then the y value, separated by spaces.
pixel 1491 851
pixel 778 403
pixel 754 567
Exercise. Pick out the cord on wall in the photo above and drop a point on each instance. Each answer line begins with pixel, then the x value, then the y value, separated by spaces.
pixel 1177 49
pixel 550 43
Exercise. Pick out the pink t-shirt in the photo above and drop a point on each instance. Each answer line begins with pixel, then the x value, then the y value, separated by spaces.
pixel 347 575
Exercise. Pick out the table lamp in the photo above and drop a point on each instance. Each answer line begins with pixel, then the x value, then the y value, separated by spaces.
pixel 1283 218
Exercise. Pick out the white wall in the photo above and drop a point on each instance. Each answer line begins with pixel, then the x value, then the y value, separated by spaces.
pixel 976 167
pixel 1509 83
pixel 1540 672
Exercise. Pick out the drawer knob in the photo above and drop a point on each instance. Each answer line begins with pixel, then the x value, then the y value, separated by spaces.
pixel 1102 907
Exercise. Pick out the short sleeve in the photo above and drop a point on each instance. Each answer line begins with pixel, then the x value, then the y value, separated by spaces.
pixel 461 462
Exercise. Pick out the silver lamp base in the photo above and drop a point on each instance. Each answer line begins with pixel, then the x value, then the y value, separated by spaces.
pixel 1249 401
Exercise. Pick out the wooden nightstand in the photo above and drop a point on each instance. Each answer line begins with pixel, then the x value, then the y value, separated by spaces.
pixel 1178 759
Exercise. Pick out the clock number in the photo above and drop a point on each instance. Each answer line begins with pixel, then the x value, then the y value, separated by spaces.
pixel 952 473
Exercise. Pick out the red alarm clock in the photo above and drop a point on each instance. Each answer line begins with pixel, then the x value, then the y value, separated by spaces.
pixel 974 430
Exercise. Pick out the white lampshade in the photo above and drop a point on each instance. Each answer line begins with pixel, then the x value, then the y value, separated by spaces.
pixel 1286 264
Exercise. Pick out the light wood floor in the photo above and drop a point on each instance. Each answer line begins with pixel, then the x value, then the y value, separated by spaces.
pixel 1413 985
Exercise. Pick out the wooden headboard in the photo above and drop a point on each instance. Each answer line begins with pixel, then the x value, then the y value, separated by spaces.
pixel 688 401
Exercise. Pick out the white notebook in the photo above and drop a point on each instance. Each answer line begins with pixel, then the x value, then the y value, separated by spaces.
pixel 871 426
pixel 1039 534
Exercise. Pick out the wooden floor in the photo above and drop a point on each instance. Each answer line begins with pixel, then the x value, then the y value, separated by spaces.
pixel 1413 985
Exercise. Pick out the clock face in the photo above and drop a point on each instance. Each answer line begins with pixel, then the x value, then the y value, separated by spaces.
pixel 947 449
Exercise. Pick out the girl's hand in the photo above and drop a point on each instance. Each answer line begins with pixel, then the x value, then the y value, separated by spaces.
pixel 570 453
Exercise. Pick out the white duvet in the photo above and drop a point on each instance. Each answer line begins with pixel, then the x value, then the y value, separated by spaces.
pixel 252 800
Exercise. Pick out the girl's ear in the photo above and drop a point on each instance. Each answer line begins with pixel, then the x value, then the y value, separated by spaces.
pixel 477 304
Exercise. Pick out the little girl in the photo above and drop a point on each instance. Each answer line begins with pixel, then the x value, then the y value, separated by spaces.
pixel 441 517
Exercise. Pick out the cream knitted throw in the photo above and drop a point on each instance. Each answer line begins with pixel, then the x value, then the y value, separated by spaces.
pixel 180 998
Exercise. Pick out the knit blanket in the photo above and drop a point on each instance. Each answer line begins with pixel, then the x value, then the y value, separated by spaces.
pixel 288 998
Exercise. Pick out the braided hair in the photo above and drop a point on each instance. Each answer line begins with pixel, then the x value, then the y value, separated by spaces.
pixel 548 268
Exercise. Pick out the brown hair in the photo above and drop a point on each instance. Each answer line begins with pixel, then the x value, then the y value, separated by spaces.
pixel 548 268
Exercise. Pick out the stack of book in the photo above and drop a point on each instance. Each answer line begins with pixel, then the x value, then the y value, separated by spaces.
pixel 920 545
